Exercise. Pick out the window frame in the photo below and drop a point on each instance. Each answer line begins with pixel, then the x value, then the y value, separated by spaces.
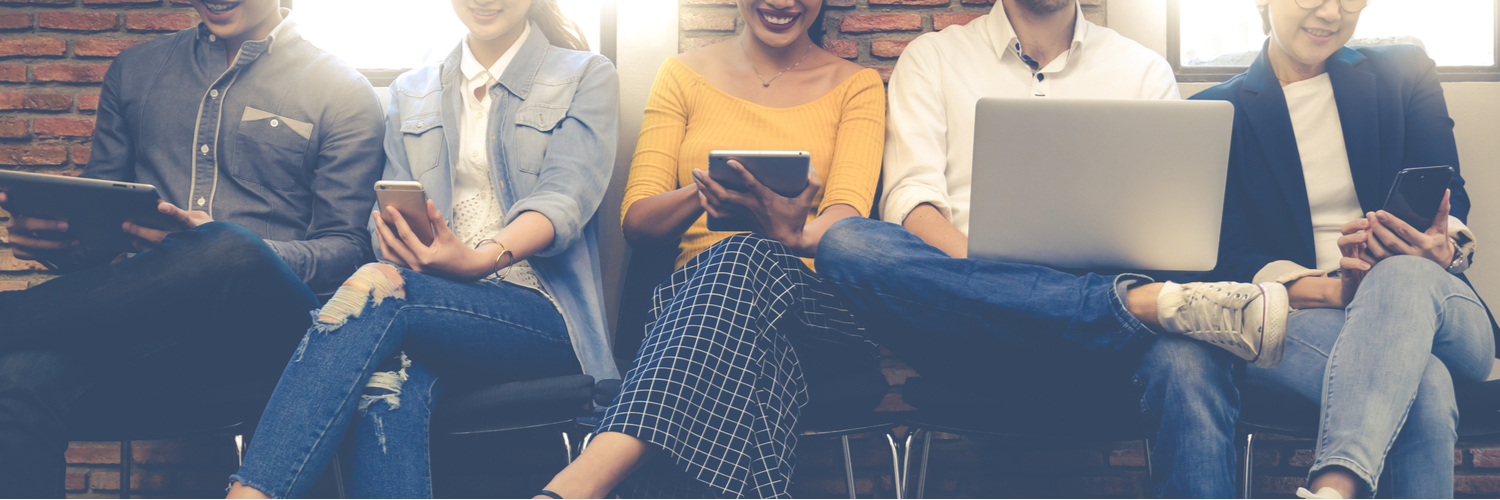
pixel 382 77
pixel 1215 74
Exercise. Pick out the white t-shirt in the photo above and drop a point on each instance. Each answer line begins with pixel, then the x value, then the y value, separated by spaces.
pixel 929 145
pixel 1325 164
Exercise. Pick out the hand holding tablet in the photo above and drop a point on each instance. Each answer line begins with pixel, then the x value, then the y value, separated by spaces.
pixel 54 214
pixel 783 173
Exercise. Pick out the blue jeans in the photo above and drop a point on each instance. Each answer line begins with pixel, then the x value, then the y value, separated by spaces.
pixel 379 363
pixel 1039 336
pixel 893 277
pixel 208 314
pixel 1191 405
pixel 1384 371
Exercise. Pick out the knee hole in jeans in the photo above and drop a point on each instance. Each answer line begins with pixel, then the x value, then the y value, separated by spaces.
pixel 371 283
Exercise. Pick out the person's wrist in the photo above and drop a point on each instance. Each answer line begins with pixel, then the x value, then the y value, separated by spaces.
pixel 497 256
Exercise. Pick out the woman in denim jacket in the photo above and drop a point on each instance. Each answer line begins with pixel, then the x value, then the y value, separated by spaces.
pixel 513 138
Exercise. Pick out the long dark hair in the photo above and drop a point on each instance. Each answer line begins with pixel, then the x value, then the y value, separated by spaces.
pixel 818 28
pixel 560 30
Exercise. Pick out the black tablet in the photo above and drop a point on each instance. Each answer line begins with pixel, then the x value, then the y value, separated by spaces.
pixel 784 172
pixel 94 209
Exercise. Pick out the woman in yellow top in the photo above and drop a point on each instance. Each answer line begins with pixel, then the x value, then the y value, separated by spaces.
pixel 744 326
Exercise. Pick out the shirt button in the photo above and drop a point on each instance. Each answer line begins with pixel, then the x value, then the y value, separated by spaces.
pixel 212 38
pixel 474 154
pixel 204 149
pixel 201 201
pixel 275 122
pixel 214 93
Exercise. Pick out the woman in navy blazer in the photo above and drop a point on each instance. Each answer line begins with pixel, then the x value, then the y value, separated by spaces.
pixel 1320 132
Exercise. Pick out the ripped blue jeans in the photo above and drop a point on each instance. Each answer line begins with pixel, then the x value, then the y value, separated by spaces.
pixel 378 352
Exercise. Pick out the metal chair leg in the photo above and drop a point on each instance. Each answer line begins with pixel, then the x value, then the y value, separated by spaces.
pixel 1248 464
pixel 125 459
pixel 848 466
pixel 906 462
pixel 239 448
pixel 896 479
pixel 585 444
pixel 922 470
pixel 567 447
pixel 1150 474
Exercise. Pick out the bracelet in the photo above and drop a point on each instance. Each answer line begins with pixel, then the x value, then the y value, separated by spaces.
pixel 503 251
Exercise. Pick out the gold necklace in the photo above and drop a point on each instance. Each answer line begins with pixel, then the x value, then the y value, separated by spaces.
pixel 763 81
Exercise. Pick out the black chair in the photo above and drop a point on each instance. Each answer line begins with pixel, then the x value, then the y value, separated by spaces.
pixel 1274 410
pixel 950 409
pixel 840 406
pixel 544 404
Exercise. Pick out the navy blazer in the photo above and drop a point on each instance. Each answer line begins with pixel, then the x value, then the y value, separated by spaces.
pixel 1393 115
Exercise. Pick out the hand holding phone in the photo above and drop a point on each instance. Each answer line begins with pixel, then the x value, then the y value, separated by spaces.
pixel 410 200
pixel 1390 236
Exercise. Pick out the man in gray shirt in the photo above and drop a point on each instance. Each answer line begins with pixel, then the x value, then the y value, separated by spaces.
pixel 265 148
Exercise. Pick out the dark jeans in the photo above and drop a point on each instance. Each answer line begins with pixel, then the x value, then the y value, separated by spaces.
pixel 1036 343
pixel 211 309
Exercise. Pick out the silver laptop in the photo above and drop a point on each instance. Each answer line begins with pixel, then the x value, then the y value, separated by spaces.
pixel 1120 185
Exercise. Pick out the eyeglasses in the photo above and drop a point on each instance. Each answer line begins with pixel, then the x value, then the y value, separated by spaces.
pixel 1347 5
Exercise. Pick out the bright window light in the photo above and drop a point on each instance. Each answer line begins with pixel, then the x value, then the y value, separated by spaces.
pixel 401 34
pixel 1454 32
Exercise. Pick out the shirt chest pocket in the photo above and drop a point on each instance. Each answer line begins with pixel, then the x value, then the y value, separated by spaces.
pixel 422 135
pixel 270 150
pixel 535 124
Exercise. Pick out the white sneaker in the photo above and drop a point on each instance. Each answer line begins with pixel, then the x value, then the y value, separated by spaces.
pixel 1324 492
pixel 1247 320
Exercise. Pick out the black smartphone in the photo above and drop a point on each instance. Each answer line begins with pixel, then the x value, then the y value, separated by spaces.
pixel 1417 194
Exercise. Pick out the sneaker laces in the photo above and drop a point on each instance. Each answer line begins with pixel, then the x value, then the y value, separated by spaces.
pixel 1204 301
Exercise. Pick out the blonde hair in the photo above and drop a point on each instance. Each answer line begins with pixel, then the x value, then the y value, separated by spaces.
pixel 560 30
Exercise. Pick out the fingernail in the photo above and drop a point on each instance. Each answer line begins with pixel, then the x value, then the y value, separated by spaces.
pixel 62 226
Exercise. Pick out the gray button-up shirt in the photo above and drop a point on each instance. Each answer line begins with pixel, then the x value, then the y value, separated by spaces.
pixel 286 141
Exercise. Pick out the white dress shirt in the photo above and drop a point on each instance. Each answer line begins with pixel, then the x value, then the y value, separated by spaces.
pixel 929 145
pixel 476 206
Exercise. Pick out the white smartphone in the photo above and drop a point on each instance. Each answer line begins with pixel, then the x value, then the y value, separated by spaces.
pixel 410 201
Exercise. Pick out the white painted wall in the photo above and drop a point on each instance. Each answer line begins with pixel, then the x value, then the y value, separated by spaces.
pixel 1474 106
pixel 647 37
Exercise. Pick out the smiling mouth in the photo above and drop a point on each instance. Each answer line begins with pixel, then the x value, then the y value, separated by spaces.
pixel 220 7
pixel 485 12
pixel 1319 33
pixel 779 19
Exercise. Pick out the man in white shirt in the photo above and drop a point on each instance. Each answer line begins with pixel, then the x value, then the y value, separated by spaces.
pixel 1078 341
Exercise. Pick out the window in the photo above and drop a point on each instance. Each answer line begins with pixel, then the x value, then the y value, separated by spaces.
pixel 1212 40
pixel 386 37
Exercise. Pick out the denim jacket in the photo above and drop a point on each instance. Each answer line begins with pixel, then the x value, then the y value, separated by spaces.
pixel 285 141
pixel 553 126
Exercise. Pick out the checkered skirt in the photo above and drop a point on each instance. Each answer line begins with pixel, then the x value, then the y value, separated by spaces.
pixel 717 384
